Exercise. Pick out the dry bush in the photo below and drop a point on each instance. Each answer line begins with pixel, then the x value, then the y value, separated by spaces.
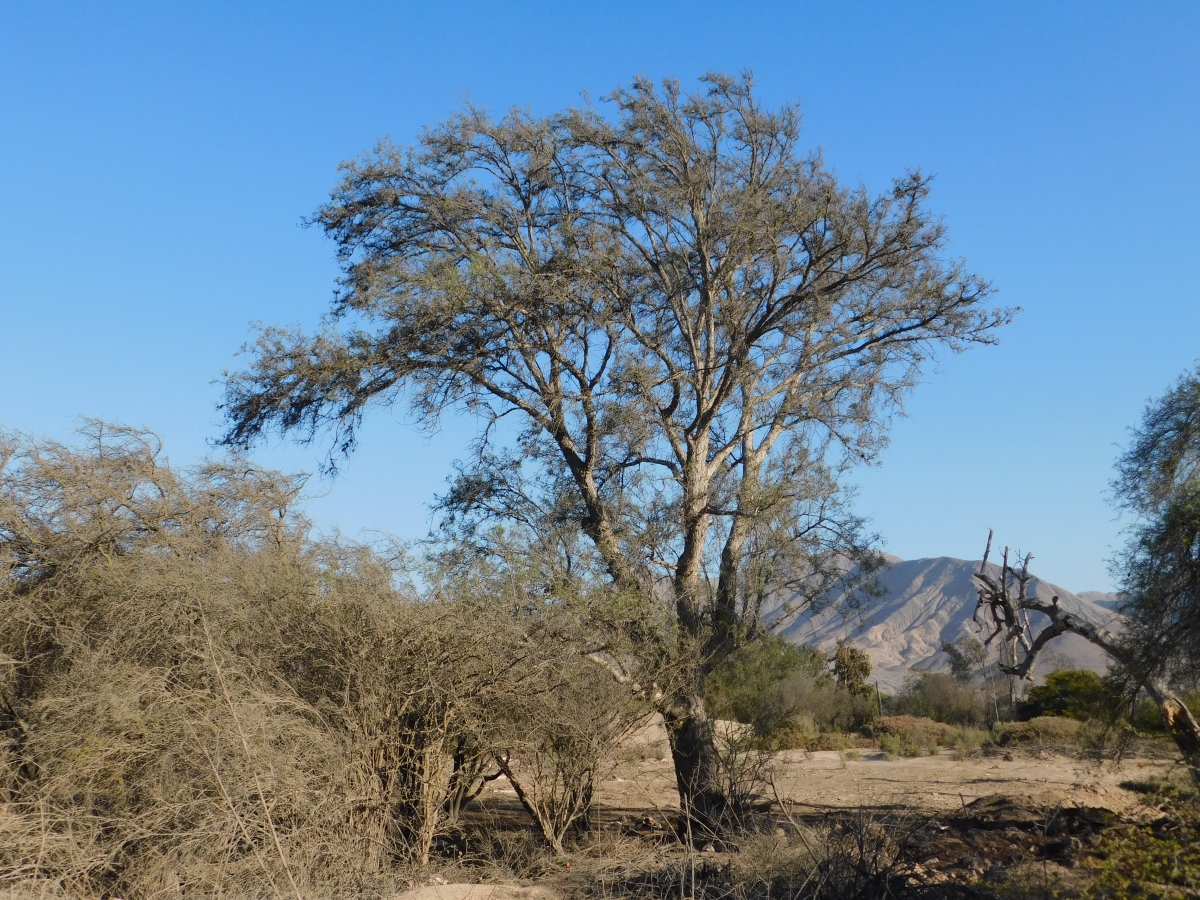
pixel 558 736
pixel 937 696
pixel 794 713
pixel 911 735
pixel 149 753
pixel 405 687
pixel 831 706
pixel 1042 733
pixel 746 775
pixel 196 699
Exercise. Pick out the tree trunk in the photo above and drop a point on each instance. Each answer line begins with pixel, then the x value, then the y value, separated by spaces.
pixel 697 767
pixel 1185 731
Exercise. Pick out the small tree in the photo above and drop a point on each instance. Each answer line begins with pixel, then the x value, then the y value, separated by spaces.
pixel 851 668
pixel 967 656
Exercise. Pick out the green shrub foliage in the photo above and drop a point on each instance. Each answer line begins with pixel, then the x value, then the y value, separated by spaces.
pixel 940 697
pixel 740 684
pixel 1071 693
pixel 788 694
pixel 851 668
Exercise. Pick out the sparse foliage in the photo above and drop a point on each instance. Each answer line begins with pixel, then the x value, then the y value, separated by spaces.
pixel 967 656
pixel 851 668
pixel 1158 479
pixel 694 327
pixel 555 740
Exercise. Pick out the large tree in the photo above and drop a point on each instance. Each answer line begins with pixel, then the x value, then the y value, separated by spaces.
pixel 1158 479
pixel 696 326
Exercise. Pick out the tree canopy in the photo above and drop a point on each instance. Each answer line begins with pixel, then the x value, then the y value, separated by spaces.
pixel 1158 478
pixel 693 325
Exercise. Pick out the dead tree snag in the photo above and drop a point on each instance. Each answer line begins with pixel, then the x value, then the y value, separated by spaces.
pixel 1004 607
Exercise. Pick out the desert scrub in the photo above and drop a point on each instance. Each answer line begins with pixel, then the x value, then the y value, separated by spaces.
pixel 839 741
pixel 1043 733
pixel 910 735
pixel 1151 859
pixel 198 699
pixel 796 732
pixel 965 742
pixel 893 746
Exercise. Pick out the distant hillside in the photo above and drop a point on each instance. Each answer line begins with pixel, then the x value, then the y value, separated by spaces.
pixel 927 601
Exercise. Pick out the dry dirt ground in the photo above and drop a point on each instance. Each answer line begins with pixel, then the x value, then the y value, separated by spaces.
pixel 827 780
pixel 996 814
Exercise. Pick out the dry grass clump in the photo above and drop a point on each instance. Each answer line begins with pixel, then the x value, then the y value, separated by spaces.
pixel 196 699
pixel 1043 732
pixel 917 736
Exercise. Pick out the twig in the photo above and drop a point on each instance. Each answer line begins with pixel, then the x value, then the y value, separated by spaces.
pixel 287 869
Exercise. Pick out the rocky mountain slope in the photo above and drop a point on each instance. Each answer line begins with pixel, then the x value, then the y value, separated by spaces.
pixel 926 601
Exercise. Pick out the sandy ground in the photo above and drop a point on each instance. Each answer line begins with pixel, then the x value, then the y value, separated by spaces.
pixel 645 780
pixel 641 792
pixel 825 780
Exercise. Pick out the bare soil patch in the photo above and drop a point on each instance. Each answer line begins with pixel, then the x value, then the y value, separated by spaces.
pixel 644 782
pixel 978 826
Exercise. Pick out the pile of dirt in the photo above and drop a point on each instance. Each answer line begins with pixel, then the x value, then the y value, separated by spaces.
pixel 1007 838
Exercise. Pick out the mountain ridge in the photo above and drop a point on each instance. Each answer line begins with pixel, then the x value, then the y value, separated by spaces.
pixel 926 601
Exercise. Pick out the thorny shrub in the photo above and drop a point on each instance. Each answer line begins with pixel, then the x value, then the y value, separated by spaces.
pixel 197 698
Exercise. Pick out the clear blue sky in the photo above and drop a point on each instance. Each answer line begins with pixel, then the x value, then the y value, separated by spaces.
pixel 156 160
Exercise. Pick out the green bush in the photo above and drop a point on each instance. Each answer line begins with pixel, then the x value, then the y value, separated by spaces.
pixel 786 694
pixel 740 685
pixel 1070 693
pixel 937 696
pixel 796 732
pixel 966 741
pixel 831 706
pixel 1146 715
pixel 915 736
pixel 894 745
